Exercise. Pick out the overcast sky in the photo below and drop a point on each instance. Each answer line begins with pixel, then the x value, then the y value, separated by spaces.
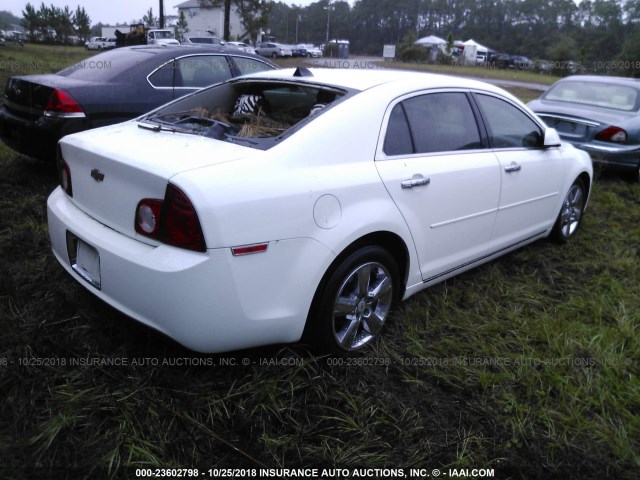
pixel 110 11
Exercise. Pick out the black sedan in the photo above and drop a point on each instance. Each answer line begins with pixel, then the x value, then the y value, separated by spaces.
pixel 114 86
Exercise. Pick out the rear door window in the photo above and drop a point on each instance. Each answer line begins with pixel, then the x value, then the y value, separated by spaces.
pixel 163 77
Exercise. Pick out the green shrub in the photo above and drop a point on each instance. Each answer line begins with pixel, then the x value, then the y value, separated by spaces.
pixel 413 53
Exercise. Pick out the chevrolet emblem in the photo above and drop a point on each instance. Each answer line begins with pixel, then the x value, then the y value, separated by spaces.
pixel 97 175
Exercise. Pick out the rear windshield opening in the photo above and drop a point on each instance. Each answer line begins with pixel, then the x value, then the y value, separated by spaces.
pixel 247 111
pixel 271 111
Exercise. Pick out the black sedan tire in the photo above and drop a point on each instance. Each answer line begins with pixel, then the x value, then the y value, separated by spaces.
pixel 355 302
pixel 570 216
pixel 634 175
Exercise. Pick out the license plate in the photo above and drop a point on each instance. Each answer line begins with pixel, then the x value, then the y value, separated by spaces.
pixel 86 262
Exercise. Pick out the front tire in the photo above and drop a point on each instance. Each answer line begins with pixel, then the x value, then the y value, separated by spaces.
pixel 570 216
pixel 355 302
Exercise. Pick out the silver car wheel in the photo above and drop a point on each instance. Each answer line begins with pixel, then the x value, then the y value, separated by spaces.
pixel 571 210
pixel 362 305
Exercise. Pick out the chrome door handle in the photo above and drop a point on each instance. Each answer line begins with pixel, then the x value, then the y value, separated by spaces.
pixel 416 182
pixel 514 167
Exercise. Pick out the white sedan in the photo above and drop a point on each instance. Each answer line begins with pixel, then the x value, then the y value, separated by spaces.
pixel 310 202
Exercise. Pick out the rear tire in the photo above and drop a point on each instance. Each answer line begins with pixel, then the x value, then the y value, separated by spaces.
pixel 570 216
pixel 353 305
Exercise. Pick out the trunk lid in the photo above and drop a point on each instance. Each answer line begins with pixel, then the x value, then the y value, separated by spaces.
pixel 113 168
pixel 27 96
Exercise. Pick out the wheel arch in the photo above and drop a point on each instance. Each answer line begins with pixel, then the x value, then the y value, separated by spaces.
pixel 586 180
pixel 391 242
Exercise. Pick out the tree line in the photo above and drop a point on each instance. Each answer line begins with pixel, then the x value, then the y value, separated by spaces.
pixel 592 31
pixel 55 24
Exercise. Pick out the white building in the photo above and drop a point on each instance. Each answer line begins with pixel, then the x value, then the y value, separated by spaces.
pixel 203 20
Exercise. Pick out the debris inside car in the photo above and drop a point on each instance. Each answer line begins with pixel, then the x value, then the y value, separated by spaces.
pixel 260 111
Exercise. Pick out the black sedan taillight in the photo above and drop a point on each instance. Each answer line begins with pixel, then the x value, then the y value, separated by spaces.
pixel 62 104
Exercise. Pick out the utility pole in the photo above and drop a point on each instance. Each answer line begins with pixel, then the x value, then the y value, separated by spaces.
pixel 161 19
pixel 328 19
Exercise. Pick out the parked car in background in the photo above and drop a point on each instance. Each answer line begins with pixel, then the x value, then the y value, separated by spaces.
pixel 98 43
pixel 544 67
pixel 297 50
pixel 499 60
pixel 246 214
pixel 242 46
pixel 600 115
pixel 14 37
pixel 520 63
pixel 161 36
pixel 312 50
pixel 108 88
pixel 274 50
pixel 205 40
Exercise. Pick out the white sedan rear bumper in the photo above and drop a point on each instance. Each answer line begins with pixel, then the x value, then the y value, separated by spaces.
pixel 209 302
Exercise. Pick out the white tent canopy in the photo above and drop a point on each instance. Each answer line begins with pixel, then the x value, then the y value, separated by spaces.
pixel 473 43
pixel 430 40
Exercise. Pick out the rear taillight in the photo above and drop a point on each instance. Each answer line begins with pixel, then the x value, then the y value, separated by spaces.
pixel 64 175
pixel 173 220
pixel 612 134
pixel 61 104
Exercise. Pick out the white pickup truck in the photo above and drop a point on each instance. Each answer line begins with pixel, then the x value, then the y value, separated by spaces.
pixel 100 43
pixel 161 37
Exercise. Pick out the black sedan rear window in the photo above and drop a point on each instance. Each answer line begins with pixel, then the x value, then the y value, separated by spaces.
pixel 108 65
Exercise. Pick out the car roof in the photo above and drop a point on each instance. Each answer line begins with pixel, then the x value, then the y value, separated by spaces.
pixel 166 52
pixel 123 60
pixel 634 82
pixel 171 50
pixel 364 79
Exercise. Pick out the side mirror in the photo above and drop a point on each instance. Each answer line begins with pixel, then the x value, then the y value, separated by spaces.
pixel 551 138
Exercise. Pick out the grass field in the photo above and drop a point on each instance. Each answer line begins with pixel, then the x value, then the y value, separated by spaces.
pixel 529 366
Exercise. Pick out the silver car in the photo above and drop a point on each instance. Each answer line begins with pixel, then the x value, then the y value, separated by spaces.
pixel 598 114
pixel 274 50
